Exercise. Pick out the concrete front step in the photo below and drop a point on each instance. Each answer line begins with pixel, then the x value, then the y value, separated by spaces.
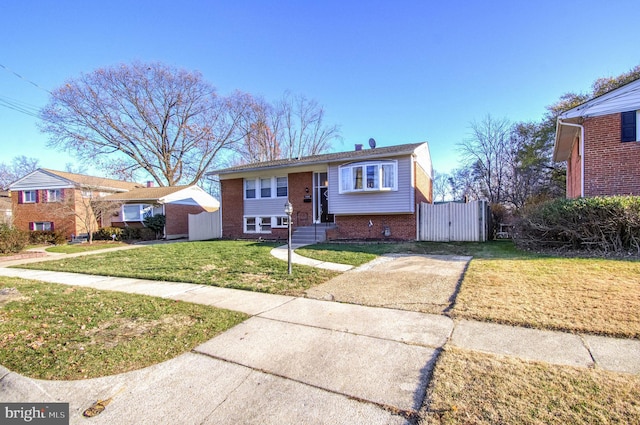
pixel 310 234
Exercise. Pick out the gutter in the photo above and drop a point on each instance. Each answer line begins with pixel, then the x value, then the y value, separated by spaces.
pixel 580 151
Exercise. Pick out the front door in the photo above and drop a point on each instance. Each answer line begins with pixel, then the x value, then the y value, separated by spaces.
pixel 325 217
pixel 321 199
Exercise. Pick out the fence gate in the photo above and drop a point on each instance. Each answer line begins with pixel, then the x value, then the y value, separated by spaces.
pixel 204 226
pixel 453 221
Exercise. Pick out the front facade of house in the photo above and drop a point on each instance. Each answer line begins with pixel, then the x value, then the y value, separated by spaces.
pixel 174 202
pixel 59 201
pixel 363 194
pixel 600 140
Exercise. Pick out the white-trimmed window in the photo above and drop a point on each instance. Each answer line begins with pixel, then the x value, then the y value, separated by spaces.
pixel 249 189
pixel 282 187
pixel 266 188
pixel 281 221
pixel 136 212
pixel 370 176
pixel 257 224
pixel 41 225
pixel 54 195
pixel 29 196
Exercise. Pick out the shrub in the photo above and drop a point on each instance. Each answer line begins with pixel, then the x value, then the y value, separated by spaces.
pixel 53 237
pixel 599 224
pixel 155 223
pixel 105 233
pixel 12 239
pixel 130 233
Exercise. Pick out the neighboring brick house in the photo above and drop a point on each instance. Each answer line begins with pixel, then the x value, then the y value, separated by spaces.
pixel 600 140
pixel 367 194
pixel 174 202
pixel 54 200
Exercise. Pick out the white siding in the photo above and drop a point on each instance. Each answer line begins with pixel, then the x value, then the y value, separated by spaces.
pixel 390 202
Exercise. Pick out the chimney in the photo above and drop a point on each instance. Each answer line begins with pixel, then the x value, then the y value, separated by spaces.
pixel 149 183
pixel 358 147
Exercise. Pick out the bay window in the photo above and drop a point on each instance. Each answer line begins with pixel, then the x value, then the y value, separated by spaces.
pixel 368 176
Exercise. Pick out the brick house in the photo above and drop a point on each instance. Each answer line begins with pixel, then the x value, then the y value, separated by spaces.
pixel 174 202
pixel 361 194
pixel 54 200
pixel 600 140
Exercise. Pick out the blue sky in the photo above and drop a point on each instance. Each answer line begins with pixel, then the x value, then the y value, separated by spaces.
pixel 397 71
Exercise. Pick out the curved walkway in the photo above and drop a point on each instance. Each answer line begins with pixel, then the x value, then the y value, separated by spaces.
pixel 297 360
pixel 282 253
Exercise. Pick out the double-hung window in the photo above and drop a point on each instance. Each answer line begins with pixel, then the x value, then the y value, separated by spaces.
pixel 54 195
pixel 257 224
pixel 41 225
pixel 265 188
pixel 282 187
pixel 250 189
pixel 368 176
pixel 29 196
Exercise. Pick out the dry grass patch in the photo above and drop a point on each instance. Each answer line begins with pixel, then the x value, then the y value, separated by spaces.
pixel 599 296
pixel 474 388
pixel 52 331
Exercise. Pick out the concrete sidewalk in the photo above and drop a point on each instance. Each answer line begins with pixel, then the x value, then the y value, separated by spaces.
pixel 298 360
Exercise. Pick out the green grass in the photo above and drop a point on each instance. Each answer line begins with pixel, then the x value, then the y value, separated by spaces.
pixel 357 254
pixel 231 264
pixel 53 331
pixel 83 247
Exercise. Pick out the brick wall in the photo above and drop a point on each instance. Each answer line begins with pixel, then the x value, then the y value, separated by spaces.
pixel 232 208
pixel 178 219
pixel 402 227
pixel 302 211
pixel 611 167
pixel 60 213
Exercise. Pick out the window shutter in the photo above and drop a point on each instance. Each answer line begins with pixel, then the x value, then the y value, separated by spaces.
pixel 628 126
pixel 21 197
pixel 32 225
pixel 52 229
pixel 37 196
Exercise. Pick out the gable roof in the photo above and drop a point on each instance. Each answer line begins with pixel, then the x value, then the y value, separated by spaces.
pixel 568 126
pixel 145 193
pixel 44 178
pixel 354 155
pixel 180 195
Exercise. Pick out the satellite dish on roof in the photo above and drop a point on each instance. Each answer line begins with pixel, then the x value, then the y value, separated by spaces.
pixel 372 143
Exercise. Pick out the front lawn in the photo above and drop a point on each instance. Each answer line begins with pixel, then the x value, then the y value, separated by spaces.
pixel 84 247
pixel 53 331
pixel 476 388
pixel 231 264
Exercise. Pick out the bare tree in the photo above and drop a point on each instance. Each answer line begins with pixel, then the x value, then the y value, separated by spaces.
pixel 441 186
pixel 165 121
pixel 304 131
pixel 262 126
pixel 20 166
pixel 486 152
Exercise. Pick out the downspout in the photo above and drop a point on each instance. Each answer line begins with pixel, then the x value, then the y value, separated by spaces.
pixel 581 152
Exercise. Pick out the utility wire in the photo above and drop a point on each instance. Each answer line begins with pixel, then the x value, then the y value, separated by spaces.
pixel 9 70
pixel 17 105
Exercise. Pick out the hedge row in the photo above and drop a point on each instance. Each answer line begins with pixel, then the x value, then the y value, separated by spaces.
pixel 599 224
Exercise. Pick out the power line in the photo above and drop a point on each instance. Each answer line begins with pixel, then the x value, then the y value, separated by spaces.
pixel 9 70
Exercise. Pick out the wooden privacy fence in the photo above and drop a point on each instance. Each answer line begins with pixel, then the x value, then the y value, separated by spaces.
pixel 454 221
pixel 204 226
